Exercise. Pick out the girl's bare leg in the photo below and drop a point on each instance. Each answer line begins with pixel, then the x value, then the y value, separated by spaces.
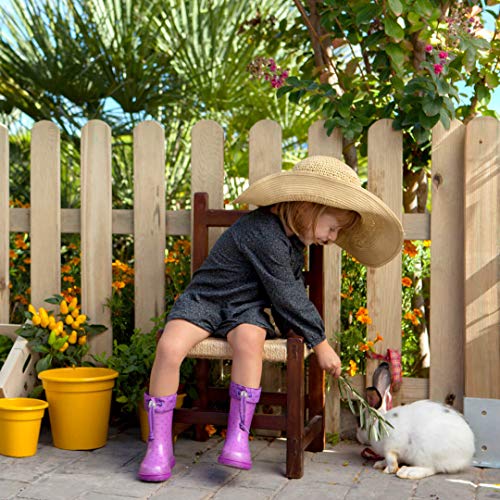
pixel 178 338
pixel 247 342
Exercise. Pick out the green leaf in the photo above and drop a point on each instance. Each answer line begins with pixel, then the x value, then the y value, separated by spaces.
pixel 393 29
pixel 396 6
pixel 368 13
pixel 432 107
pixel 396 53
pixel 445 119
pixel 43 364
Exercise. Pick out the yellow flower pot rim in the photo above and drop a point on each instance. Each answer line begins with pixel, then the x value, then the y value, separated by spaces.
pixel 37 404
pixel 67 374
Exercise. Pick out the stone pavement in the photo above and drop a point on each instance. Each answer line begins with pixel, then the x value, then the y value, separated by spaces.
pixel 109 474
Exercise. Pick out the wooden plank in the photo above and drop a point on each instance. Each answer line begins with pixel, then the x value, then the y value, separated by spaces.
pixel 412 389
pixel 4 224
pixel 482 260
pixel 207 165
pixel 45 214
pixel 178 222
pixel 149 223
pixel 417 226
pixel 96 242
pixel 264 158
pixel 319 143
pixel 447 264
pixel 9 330
pixel 385 179
pixel 18 374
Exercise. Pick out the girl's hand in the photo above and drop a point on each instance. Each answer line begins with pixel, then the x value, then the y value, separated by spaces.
pixel 327 358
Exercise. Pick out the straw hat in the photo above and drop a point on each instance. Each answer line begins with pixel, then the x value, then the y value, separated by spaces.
pixel 377 236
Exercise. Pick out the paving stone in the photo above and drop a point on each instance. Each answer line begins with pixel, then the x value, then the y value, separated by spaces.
pixel 9 489
pixel 263 475
pixel 181 492
pixel 62 486
pixel 299 491
pixel 230 493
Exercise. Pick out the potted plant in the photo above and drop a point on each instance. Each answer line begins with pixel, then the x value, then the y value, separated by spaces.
pixel 77 391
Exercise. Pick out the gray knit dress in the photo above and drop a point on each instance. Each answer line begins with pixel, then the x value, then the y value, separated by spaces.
pixel 254 265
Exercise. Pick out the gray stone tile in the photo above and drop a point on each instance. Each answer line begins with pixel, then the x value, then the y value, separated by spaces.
pixel 9 489
pixel 182 493
pixel 231 493
pixel 62 486
pixel 295 490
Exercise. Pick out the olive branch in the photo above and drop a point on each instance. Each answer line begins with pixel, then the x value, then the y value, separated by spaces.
pixel 370 419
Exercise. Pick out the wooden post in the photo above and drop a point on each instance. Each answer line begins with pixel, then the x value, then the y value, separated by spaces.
pixel 385 179
pixel 149 223
pixel 319 143
pixel 4 225
pixel 482 261
pixel 447 265
pixel 45 214
pixel 96 222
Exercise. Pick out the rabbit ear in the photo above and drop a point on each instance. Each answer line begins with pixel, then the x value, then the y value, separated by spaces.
pixel 382 378
pixel 378 395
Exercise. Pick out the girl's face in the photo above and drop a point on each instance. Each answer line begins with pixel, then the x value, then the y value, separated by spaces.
pixel 328 225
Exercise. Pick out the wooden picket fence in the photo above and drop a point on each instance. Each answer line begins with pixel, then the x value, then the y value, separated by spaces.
pixel 464 229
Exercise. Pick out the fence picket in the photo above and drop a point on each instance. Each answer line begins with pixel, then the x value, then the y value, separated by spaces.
pixel 207 166
pixel 385 178
pixel 447 264
pixel 149 223
pixel 45 214
pixel 319 143
pixel 482 260
pixel 265 155
pixel 4 225
pixel 96 241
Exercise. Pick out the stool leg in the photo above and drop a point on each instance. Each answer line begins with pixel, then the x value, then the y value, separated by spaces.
pixel 295 409
pixel 202 372
pixel 316 402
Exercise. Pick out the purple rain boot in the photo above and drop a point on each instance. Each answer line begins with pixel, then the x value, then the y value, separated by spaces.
pixel 159 461
pixel 236 451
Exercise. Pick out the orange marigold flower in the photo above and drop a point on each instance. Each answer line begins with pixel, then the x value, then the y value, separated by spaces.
pixel 363 347
pixel 378 338
pixel 418 312
pixel 406 281
pixel 27 260
pixel 12 254
pixel 72 246
pixel 65 269
pixel 118 285
pixel 211 430
pixel 411 316
pixel 69 279
pixel 410 249
pixel 353 368
pixel 363 317
pixel 223 433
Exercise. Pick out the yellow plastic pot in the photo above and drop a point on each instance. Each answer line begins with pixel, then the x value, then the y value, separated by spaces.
pixel 20 420
pixel 143 417
pixel 79 405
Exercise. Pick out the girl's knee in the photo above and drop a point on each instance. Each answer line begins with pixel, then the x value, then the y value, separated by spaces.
pixel 247 340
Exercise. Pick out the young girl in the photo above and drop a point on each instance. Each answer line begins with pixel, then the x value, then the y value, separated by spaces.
pixel 257 264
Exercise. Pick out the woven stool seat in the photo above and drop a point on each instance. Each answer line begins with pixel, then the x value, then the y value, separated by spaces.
pixel 214 348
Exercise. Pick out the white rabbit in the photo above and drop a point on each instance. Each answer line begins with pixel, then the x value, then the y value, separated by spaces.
pixel 427 437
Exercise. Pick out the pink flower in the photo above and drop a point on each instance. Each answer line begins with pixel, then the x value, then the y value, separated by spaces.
pixel 428 48
pixel 272 65
pixel 443 55
pixel 438 68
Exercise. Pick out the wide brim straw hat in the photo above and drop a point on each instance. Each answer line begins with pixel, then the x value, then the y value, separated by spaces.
pixel 375 238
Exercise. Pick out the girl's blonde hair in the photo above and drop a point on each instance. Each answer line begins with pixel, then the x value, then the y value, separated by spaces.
pixel 291 214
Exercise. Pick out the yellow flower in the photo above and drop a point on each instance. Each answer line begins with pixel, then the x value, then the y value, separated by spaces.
pixel 82 340
pixel 353 368
pixel 63 307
